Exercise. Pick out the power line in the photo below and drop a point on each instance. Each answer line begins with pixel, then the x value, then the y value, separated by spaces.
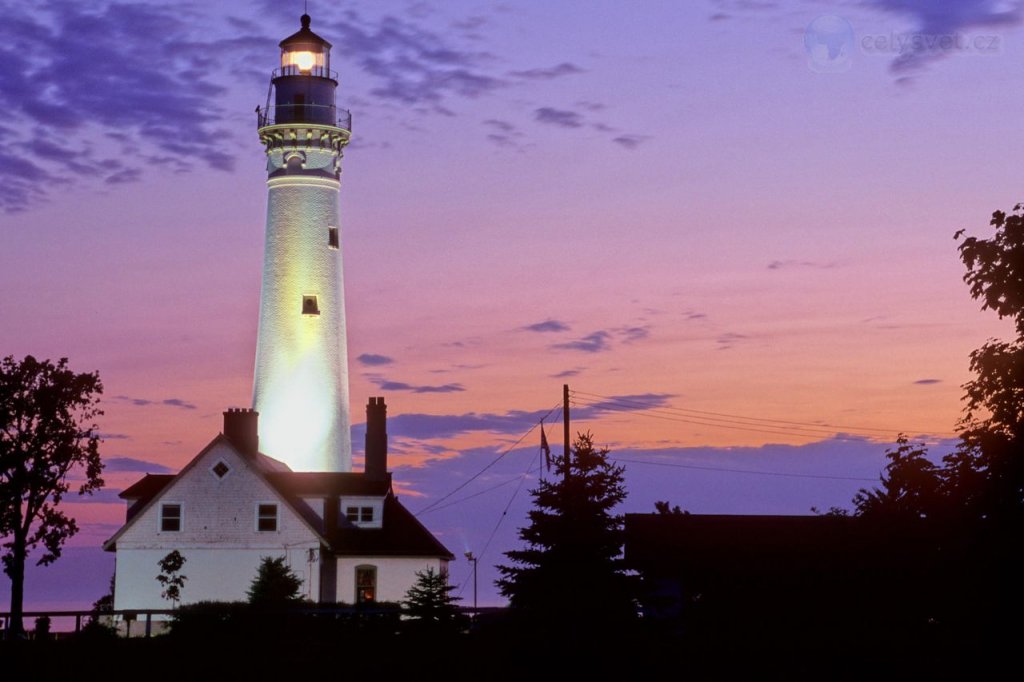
pixel 469 497
pixel 743 471
pixel 726 420
pixel 507 450
pixel 504 513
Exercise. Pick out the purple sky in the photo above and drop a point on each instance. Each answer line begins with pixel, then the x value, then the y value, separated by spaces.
pixel 689 207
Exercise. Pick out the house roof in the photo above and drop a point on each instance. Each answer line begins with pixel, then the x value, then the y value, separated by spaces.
pixel 146 487
pixel 260 463
pixel 401 535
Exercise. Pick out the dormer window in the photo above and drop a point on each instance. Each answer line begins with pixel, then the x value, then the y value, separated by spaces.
pixel 359 514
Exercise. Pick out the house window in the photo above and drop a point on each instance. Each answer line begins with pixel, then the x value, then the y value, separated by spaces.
pixel 332 237
pixel 266 517
pixel 359 514
pixel 170 518
pixel 220 469
pixel 366 584
pixel 309 306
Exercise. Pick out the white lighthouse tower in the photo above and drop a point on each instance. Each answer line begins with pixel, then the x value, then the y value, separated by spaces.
pixel 301 380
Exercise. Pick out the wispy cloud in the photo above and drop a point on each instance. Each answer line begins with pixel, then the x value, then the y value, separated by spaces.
pixel 785 264
pixel 547 326
pixel 412 64
pixel 563 69
pixel 630 141
pixel 565 374
pixel 558 117
pixel 729 340
pixel 374 360
pixel 119 464
pixel 145 402
pixel 503 133
pixel 431 426
pixel 387 385
pixel 69 64
pixel 633 334
pixel 928 382
pixel 936 19
pixel 627 403
pixel 591 343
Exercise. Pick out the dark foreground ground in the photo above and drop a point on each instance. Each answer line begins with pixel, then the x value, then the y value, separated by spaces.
pixel 611 655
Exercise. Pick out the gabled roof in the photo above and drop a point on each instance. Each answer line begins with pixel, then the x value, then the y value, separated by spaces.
pixel 146 487
pixel 261 463
pixel 401 535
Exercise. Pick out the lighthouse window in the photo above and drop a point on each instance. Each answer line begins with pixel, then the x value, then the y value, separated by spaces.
pixel 309 306
pixel 332 237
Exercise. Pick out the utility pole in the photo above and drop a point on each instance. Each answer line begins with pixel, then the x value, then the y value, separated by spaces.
pixel 565 428
pixel 472 559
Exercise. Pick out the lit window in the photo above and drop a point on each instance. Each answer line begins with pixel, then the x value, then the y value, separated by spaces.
pixel 266 517
pixel 332 237
pixel 309 306
pixel 170 518
pixel 366 584
pixel 359 514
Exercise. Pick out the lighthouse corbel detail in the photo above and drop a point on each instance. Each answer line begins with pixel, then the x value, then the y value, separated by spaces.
pixel 300 386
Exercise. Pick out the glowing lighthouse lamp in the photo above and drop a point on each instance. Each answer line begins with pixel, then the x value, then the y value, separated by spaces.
pixel 300 385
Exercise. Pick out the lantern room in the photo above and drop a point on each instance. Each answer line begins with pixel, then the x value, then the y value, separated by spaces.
pixel 304 85
pixel 305 53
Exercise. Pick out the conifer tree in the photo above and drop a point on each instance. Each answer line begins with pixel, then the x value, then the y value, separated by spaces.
pixel 430 602
pixel 570 569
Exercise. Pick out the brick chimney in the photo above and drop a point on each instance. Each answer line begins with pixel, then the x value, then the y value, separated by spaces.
pixel 376 466
pixel 240 428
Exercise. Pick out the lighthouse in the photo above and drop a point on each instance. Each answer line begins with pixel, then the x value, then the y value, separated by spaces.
pixel 300 387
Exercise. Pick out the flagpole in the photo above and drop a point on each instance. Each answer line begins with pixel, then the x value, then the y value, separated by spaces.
pixel 565 429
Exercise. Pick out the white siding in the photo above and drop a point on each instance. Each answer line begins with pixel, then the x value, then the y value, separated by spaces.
pixel 395 575
pixel 218 538
pixel 213 574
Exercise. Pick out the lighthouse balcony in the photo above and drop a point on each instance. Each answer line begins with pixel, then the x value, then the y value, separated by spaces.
pixel 296 70
pixel 319 114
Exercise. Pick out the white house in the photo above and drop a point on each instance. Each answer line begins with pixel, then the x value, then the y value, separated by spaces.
pixel 345 534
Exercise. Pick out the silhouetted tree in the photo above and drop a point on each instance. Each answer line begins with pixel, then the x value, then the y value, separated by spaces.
pixel 171 577
pixel 430 604
pixel 571 568
pixel 46 438
pixel 275 584
pixel 911 485
pixel 664 508
pixel 986 473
